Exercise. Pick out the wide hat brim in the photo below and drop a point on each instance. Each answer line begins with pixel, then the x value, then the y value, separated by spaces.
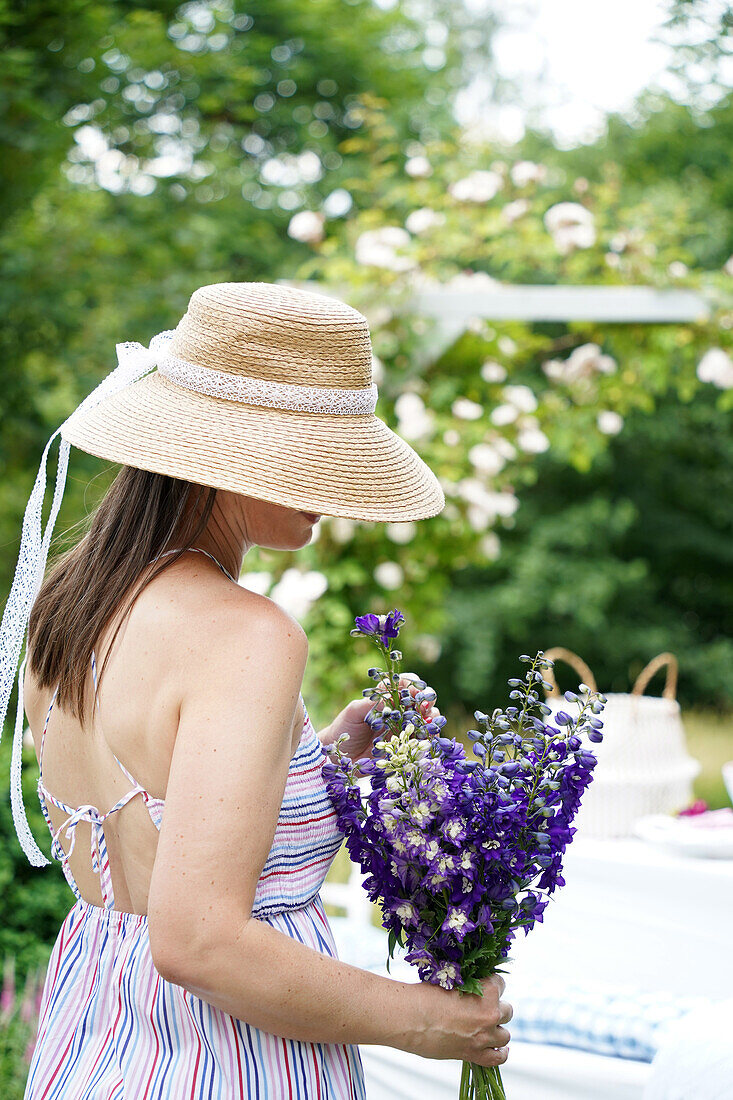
pixel 338 465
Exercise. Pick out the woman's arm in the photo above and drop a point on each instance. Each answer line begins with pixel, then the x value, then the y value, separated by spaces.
pixel 225 787
pixel 239 696
pixel 281 985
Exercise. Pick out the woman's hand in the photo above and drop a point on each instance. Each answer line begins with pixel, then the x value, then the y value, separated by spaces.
pixel 464 1025
pixel 351 720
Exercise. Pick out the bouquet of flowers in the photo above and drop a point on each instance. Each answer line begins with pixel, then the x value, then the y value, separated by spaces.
pixel 459 852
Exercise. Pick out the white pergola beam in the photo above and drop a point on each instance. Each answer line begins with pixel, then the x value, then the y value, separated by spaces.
pixel 457 306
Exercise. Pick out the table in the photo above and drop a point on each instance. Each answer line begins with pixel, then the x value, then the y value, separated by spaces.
pixel 630 914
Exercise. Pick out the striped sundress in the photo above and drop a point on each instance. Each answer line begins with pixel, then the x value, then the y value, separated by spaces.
pixel 111 1028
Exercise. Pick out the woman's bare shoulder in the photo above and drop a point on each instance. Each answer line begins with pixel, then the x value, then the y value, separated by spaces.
pixel 195 623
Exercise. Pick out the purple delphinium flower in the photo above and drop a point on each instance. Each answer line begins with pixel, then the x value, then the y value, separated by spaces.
pixel 384 627
pixel 462 853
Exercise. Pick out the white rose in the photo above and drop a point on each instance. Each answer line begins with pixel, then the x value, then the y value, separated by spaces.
pixel 418 166
pixel 521 397
pixel 716 366
pixel 479 186
pixel 422 219
pixel 307 226
pixel 389 574
pixel 491 371
pixel 532 441
pixel 379 248
pixel 465 409
pixel 609 422
pixel 526 171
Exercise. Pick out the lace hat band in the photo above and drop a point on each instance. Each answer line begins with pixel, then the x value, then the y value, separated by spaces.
pixel 267 392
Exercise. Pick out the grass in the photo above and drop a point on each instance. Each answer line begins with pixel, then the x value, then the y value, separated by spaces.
pixel 710 740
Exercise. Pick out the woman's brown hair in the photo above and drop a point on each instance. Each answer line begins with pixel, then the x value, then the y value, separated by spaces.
pixel 141 515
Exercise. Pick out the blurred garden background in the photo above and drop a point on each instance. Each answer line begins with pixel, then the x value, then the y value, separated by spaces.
pixel 150 148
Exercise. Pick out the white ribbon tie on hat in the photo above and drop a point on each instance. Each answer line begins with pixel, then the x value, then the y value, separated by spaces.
pixel 134 361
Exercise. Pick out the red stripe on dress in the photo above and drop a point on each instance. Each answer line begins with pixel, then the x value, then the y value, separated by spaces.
pixel 287 1065
pixel 318 1076
pixel 301 867
pixel 302 824
pixel 239 1057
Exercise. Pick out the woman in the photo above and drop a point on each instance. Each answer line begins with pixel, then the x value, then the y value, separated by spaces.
pixel 198 960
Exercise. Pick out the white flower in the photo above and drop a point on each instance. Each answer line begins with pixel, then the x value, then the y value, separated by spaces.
pixel 338 203
pixel 532 440
pixel 401 532
pixel 342 529
pixel 420 813
pixel 609 422
pixel 491 371
pixel 490 546
pixel 521 397
pixel 469 281
pixel 447 974
pixel 486 458
pixel 504 414
pixel 526 171
pixel 414 420
pixel 465 409
pixel 677 270
pixel 422 219
pixel 582 362
pixel 451 437
pixel 389 574
pixel 485 505
pixel 28 741
pixel 514 210
pixel 457 918
pixel 716 366
pixel 506 449
pixel 296 590
pixel 406 912
pixel 620 241
pixel 506 345
pixel 307 226
pixel 379 248
pixel 256 582
pixel 571 226
pixel 478 518
pixel 728 266
pixel 418 166
pixel 479 186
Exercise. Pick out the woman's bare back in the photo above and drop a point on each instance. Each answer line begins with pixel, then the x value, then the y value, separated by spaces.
pixel 137 721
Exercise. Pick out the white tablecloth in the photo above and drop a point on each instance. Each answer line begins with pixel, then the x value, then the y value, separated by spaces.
pixel 630 914
pixel 634 914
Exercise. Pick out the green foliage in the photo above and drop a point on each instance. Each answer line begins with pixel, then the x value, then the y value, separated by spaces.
pixel 33 900
pixel 631 559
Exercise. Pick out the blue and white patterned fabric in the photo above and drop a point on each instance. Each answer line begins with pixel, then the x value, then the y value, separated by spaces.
pixel 620 1022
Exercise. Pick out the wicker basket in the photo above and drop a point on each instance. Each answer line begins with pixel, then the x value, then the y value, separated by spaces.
pixel 643 764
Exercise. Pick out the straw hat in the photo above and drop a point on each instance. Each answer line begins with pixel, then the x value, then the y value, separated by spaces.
pixel 266 390
pixel 262 389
